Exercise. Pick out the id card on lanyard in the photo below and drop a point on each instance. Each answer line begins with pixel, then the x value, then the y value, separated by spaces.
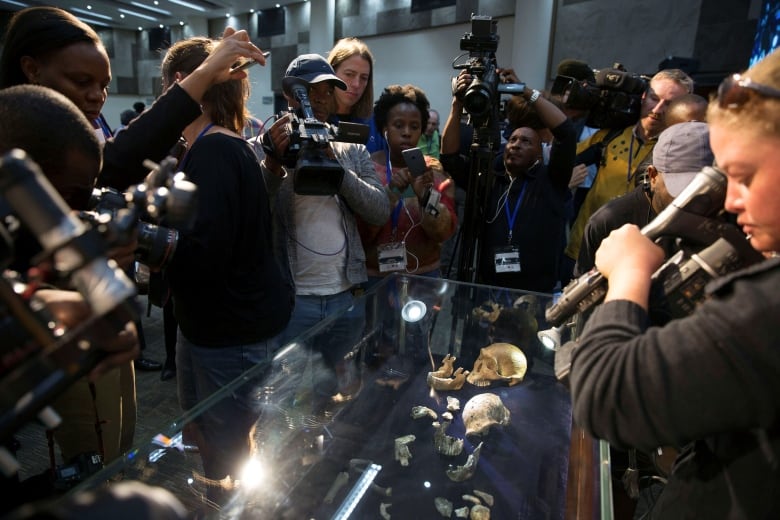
pixel 507 258
pixel 392 255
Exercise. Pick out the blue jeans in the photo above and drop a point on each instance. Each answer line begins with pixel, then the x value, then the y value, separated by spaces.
pixel 223 429
pixel 335 341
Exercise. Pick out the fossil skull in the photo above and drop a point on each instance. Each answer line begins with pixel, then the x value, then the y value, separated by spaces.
pixel 484 411
pixel 498 362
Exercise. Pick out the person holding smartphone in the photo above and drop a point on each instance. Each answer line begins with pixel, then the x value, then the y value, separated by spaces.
pixel 421 194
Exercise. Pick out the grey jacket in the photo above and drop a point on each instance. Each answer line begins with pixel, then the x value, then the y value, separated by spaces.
pixel 361 193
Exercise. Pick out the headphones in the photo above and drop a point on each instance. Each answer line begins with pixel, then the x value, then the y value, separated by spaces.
pixel 646 186
pixel 644 181
pixel 385 135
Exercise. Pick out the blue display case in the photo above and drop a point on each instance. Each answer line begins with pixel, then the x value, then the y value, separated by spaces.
pixel 341 432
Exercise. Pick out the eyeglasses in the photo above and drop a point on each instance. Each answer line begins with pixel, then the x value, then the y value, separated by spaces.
pixel 735 91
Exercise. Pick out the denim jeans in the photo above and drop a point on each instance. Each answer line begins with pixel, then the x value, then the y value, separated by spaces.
pixel 332 345
pixel 223 430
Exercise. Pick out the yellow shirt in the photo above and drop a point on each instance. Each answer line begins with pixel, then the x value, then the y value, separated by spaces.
pixel 616 176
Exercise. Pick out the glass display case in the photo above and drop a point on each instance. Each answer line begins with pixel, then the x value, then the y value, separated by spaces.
pixel 439 400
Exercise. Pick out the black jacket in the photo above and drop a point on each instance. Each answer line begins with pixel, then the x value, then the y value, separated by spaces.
pixel 708 382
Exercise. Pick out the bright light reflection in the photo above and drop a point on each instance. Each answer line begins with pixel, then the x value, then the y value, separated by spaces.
pixel 426 484
pixel 413 311
pixel 253 474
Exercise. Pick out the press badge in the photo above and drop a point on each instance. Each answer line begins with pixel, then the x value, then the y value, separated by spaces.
pixel 392 257
pixel 507 259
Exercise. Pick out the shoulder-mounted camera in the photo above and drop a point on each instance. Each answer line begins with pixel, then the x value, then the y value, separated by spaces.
pixel 614 97
pixel 316 173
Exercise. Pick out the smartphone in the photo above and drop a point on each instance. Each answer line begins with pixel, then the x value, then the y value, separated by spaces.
pixel 249 63
pixel 415 161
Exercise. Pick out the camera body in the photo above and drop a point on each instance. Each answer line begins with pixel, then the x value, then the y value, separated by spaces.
pixel 83 465
pixel 142 208
pixel 614 97
pixel 316 172
pixel 482 97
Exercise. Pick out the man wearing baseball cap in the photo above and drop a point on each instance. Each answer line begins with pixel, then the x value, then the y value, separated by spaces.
pixel 316 234
pixel 681 152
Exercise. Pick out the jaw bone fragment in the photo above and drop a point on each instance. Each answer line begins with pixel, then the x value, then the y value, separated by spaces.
pixel 461 473
pixel 447 367
pixel 446 444
pixel 448 383
pixel 402 453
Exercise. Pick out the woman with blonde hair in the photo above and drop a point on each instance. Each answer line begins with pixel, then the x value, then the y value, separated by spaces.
pixel 353 63
pixel 706 382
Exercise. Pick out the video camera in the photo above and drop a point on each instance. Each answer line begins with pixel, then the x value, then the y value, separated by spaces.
pixel 316 173
pixel 40 356
pixel 165 194
pixel 614 97
pixel 678 285
pixel 481 98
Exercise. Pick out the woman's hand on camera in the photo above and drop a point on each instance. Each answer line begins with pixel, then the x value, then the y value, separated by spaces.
pixel 627 259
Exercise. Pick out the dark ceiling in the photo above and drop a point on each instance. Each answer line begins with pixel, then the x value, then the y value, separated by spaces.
pixel 132 14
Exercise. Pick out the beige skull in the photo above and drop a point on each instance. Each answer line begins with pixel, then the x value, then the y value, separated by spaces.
pixel 484 411
pixel 498 362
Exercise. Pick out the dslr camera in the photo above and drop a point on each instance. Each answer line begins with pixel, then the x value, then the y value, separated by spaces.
pixel 481 98
pixel 614 97
pixel 165 195
pixel 316 173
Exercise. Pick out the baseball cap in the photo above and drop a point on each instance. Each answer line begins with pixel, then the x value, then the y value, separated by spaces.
pixel 681 151
pixel 311 68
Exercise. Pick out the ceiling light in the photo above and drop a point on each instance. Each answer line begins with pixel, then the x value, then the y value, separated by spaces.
pixel 93 22
pixel 188 4
pixel 152 9
pixel 17 4
pixel 138 15
pixel 90 13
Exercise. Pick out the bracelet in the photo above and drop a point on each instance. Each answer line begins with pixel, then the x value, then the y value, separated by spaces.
pixel 534 96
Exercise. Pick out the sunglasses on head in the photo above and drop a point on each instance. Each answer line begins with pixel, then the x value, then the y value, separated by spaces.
pixel 735 91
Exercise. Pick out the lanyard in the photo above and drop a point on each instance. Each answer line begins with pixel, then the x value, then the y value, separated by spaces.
pixel 201 134
pixel 101 122
pixel 510 219
pixel 397 209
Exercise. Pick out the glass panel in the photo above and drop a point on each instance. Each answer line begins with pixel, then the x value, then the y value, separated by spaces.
pixel 336 434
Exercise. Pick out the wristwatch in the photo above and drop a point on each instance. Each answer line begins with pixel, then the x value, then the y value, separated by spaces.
pixel 534 96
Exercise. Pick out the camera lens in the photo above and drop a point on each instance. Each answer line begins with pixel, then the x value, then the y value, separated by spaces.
pixel 156 244
pixel 478 99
